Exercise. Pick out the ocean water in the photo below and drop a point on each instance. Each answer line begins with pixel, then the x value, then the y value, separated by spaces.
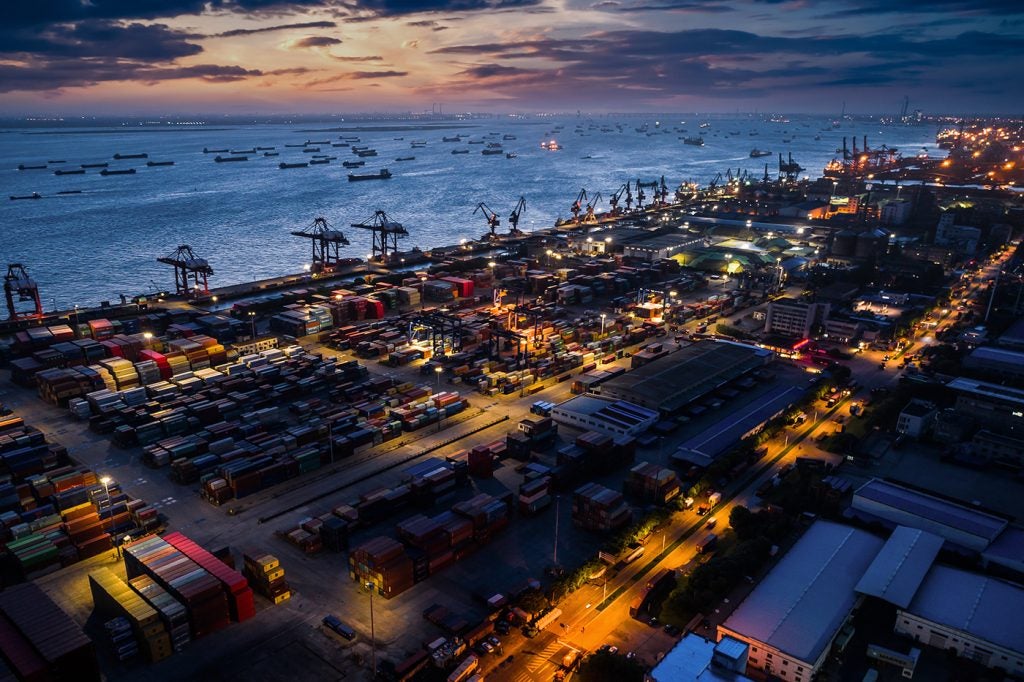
pixel 83 248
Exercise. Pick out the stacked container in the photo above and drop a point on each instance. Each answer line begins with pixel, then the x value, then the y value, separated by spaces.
pixel 266 575
pixel 113 598
pixel 383 562
pixel 652 483
pixel 236 587
pixel 595 507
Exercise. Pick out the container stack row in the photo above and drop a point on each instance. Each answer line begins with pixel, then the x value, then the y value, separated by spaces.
pixel 114 598
pixel 42 642
pixel 597 508
pixel 266 575
pixel 236 587
pixel 652 483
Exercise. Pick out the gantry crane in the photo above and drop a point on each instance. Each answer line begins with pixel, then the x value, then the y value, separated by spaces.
pixel 577 205
pixel 327 243
pixel 493 221
pixel 515 215
pixel 386 233
pixel 790 169
pixel 496 334
pixel 640 195
pixel 18 283
pixel 590 218
pixel 617 196
pixel 188 266
pixel 663 192
pixel 445 331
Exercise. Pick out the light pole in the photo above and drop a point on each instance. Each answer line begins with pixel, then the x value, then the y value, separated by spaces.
pixel 252 323
pixel 148 336
pixel 603 316
pixel 558 500
pixel 440 414
pixel 105 480
pixel 373 633
pixel 549 252
pixel 437 370
pixel 423 286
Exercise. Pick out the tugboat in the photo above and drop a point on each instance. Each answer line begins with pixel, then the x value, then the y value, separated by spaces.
pixel 695 141
pixel 756 153
pixel 384 174
pixel 283 165
pixel 511 155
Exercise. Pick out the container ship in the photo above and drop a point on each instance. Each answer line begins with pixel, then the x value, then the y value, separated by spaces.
pixel 118 157
pixel 282 165
pixel 384 174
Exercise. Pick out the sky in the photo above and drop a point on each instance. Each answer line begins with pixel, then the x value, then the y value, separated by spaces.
pixel 145 57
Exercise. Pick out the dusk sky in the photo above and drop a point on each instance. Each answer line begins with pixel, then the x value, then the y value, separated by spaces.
pixel 71 57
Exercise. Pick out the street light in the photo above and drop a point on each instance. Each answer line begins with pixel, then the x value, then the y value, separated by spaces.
pixel 252 322
pixel 148 336
pixel 603 316
pixel 423 284
pixel 373 634
pixel 106 481
pixel 437 370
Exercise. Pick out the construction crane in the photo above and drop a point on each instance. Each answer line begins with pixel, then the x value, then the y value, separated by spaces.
pixel 18 283
pixel 589 217
pixel 327 243
pixel 493 221
pixel 515 215
pixel 386 233
pixel 190 271
pixel 577 205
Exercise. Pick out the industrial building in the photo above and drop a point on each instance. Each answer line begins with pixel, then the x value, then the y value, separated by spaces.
pixel 671 383
pixel 974 615
pixel 790 317
pixel 899 505
pixel 999 408
pixel 661 246
pixel 791 618
pixel 614 417
pixel 696 659
pixel 996 361
pixel 916 418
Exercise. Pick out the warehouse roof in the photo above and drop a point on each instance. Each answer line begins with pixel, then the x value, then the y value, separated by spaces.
pixel 723 434
pixel 987 608
pixel 802 602
pixel 992 354
pixel 692 659
pixel 899 568
pixel 618 412
pixel 987 390
pixel 679 378
pixel 934 512
pixel 1007 550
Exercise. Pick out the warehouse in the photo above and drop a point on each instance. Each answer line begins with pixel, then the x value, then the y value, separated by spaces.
pixel 671 383
pixel 696 659
pixel 899 505
pixel 724 434
pixel 997 361
pixel 614 417
pixel 974 615
pixel 660 246
pixel 996 407
pixel 793 615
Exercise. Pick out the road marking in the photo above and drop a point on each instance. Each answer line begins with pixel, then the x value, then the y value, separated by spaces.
pixel 541 659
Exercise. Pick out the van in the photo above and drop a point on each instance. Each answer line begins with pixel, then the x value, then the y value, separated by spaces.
pixel 335 624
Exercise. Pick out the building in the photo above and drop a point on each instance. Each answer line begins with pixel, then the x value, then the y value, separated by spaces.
pixel 695 659
pixel 614 417
pixel 811 210
pixel 959 237
pixel 895 211
pixel 957 523
pixel 843 330
pixel 999 408
pixel 995 447
pixel 792 616
pixel 900 565
pixel 791 317
pixel 996 361
pixel 661 246
pixel 952 427
pixel 976 616
pixel 916 418
pixel 671 383
pixel 1014 336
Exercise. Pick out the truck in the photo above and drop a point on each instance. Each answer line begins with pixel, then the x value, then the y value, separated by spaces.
pixel 636 551
pixel 707 543
pixel 714 498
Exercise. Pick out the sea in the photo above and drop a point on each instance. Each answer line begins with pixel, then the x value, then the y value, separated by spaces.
pixel 102 241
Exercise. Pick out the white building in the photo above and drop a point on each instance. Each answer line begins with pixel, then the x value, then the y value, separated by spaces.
pixel 976 616
pixel 695 659
pixel 791 317
pixel 796 611
pixel 916 419
pixel 964 239
pixel 895 212
pixel 614 417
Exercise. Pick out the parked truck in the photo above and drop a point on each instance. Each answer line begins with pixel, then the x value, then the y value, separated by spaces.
pixel 707 543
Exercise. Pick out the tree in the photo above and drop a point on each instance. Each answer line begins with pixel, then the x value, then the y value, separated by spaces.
pixel 533 601
pixel 743 522
pixel 604 666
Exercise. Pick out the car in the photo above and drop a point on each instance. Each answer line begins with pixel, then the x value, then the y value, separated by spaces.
pixel 502 627
pixel 653 622
pixel 484 647
pixel 672 630
pixel 494 641
pixel 630 656
pixel 339 627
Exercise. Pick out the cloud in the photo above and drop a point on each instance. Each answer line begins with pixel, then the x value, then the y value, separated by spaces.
pixel 368 58
pixel 495 70
pixel 65 73
pixel 310 42
pixel 280 27
pixel 355 76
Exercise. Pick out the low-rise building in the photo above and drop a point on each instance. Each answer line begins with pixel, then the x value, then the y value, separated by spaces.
pixel 895 211
pixel 916 418
pixel 614 417
pixel 995 407
pixel 996 361
pixel 792 317
pixel 999 448
pixel 843 330
pixel 695 659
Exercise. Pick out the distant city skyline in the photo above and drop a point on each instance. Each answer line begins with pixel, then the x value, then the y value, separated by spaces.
pixel 122 57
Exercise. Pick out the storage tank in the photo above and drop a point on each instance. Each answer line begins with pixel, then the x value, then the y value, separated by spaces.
pixel 871 243
pixel 844 243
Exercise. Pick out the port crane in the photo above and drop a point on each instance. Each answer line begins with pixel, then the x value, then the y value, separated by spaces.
pixel 497 334
pixel 641 196
pixel 515 215
pixel 190 271
pixel 386 233
pixel 617 196
pixel 790 169
pixel 445 331
pixel 493 221
pixel 327 243
pixel 577 205
pixel 18 284
pixel 589 217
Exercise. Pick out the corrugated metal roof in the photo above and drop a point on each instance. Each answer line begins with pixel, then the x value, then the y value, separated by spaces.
pixel 690 661
pixel 900 566
pixel 987 608
pixel 801 603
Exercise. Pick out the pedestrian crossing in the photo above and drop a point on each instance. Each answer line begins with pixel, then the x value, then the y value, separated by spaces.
pixel 541 659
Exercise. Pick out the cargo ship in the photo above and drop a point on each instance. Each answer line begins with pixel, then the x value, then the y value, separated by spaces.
pixel 265 149
pixel 353 164
pixel 70 191
pixel 366 153
pixel 224 159
pixel 508 137
pixel 295 145
pixel 309 142
pixel 79 171
pixel 406 158
pixel 159 163
pixel 384 174
pixel 695 141
pixel 34 195
pixel 22 166
pixel 491 152
pixel 451 139
pixel 318 162
pixel 271 154
pixel 244 151
pixel 460 151
pixel 207 150
pixel 60 161
pixel 125 171
pixel 118 157
pixel 283 165
pixel 756 153
pixel 310 150
pixel 551 146
pixel 340 144
pixel 417 144
pixel 95 165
